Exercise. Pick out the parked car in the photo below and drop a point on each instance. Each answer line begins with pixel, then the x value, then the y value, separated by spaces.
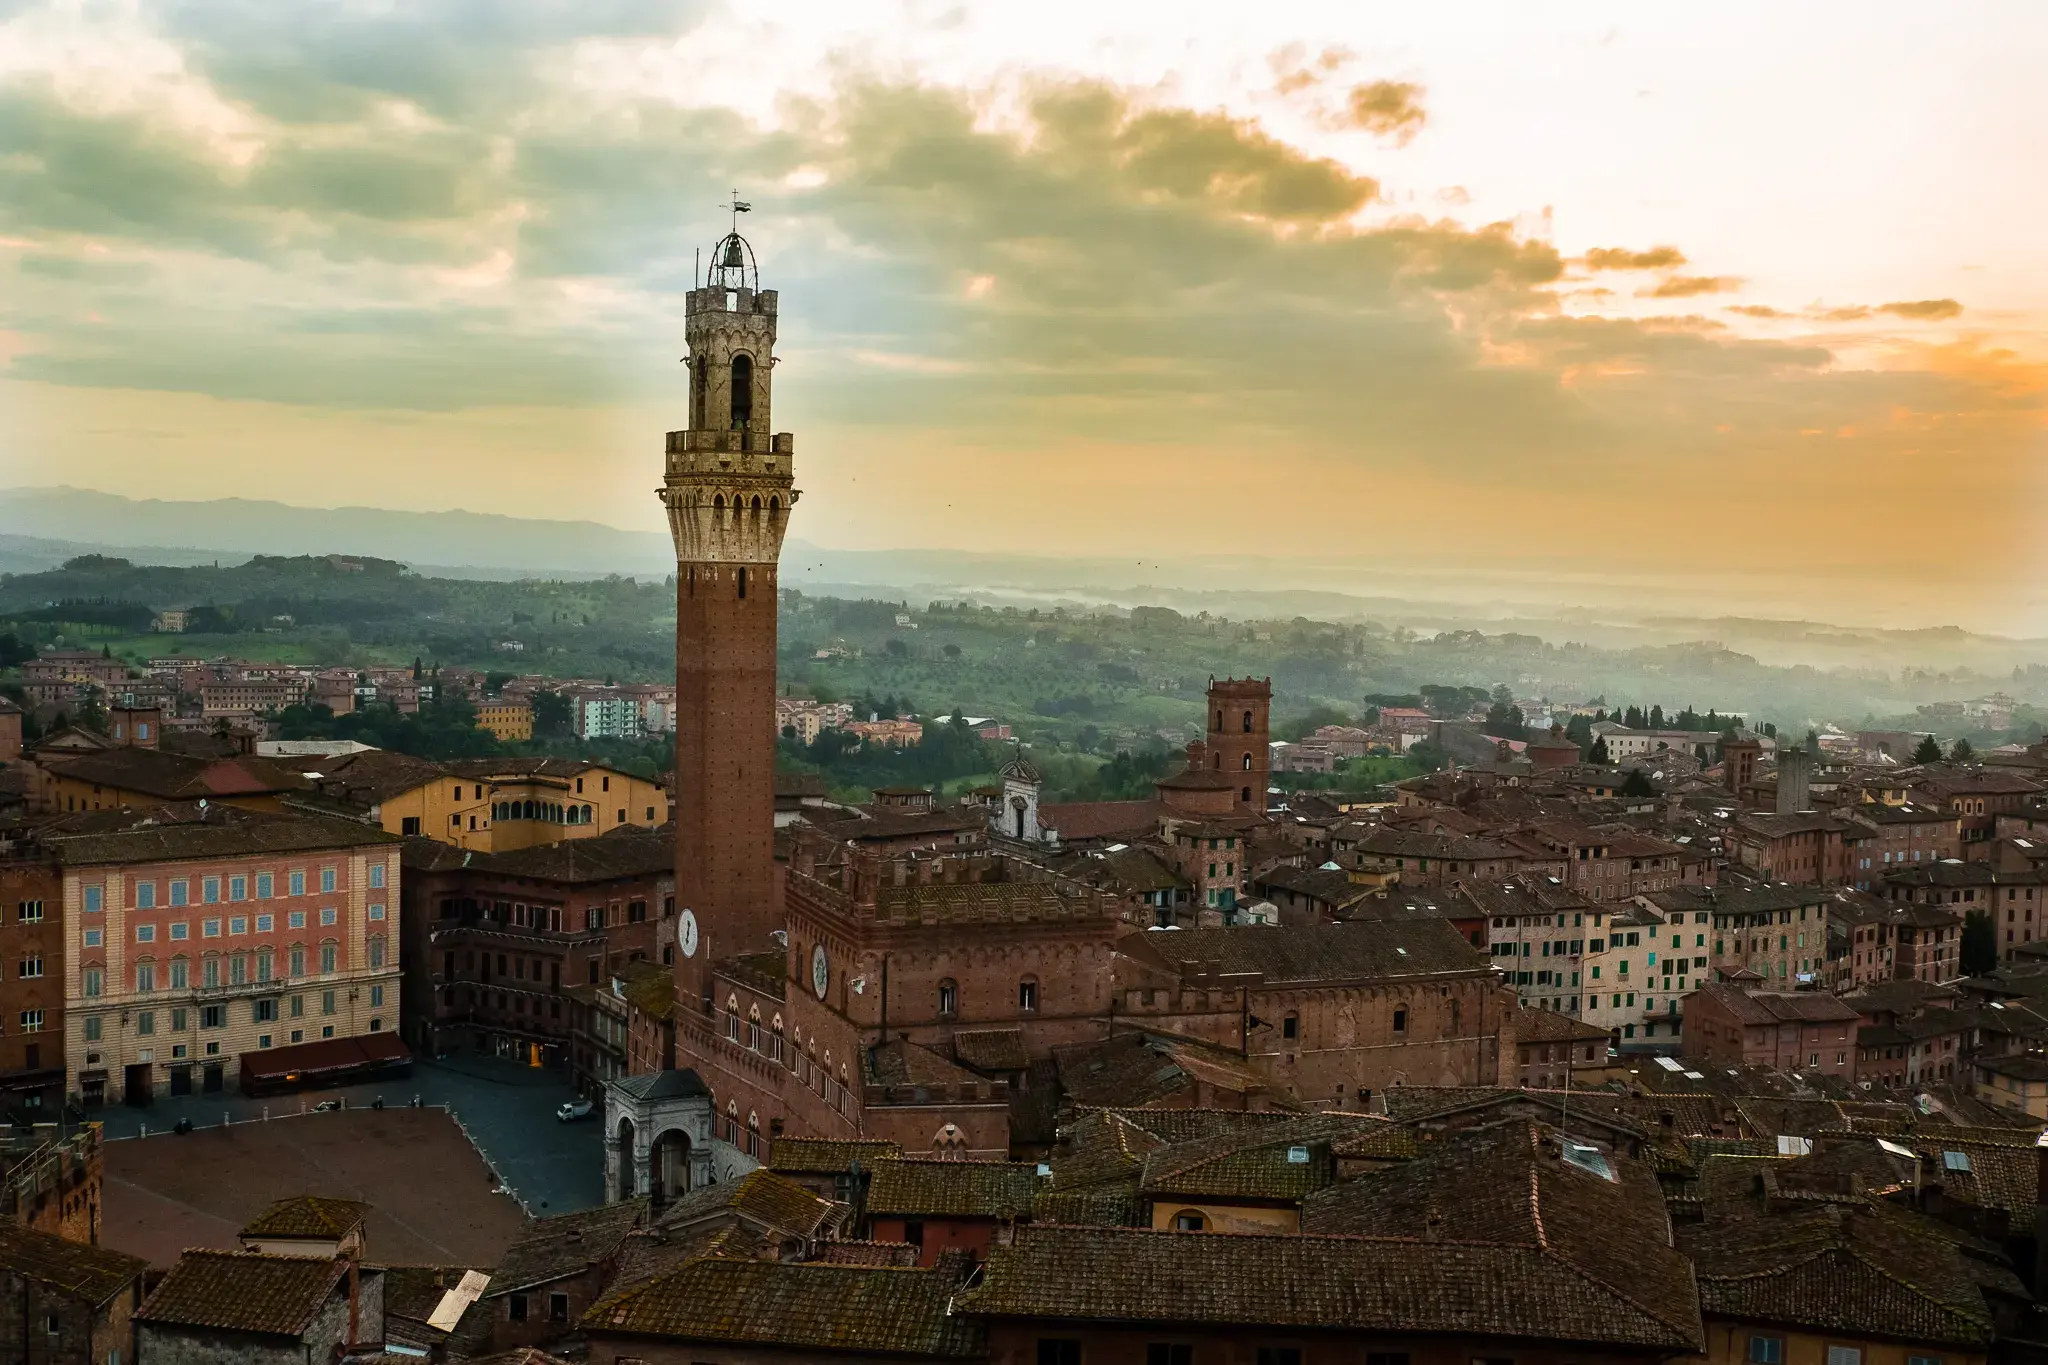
pixel 576 1109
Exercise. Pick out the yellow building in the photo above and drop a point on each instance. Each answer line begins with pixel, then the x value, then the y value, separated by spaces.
pixel 491 805
pixel 2017 1082
pixel 506 719
pixel 66 780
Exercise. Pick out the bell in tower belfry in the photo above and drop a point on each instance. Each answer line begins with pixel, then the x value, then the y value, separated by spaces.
pixel 728 489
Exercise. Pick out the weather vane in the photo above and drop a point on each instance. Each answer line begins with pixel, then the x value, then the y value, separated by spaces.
pixel 738 207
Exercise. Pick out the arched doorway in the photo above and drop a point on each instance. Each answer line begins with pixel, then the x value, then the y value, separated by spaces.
pixel 625 1165
pixel 668 1164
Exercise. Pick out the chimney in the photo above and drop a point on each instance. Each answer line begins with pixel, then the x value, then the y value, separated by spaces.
pixel 355 1305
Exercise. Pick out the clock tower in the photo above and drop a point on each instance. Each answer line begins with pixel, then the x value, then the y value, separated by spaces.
pixel 727 488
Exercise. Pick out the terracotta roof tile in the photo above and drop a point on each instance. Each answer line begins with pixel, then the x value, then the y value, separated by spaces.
pixel 224 832
pixel 761 1196
pixel 1383 1284
pixel 244 1291
pixel 1320 952
pixel 810 1306
pixel 92 1274
pixel 952 1189
pixel 828 1156
pixel 1506 1185
pixel 567 1244
pixel 308 1215
pixel 1863 1269
pixel 992 1049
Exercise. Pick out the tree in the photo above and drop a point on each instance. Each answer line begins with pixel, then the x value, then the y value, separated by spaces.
pixel 1962 752
pixel 92 713
pixel 1598 753
pixel 1429 754
pixel 1928 750
pixel 897 649
pixel 1504 720
pixel 1579 730
pixel 1980 943
pixel 552 715
pixel 1636 784
pixel 952 651
pixel 1633 718
pixel 1656 717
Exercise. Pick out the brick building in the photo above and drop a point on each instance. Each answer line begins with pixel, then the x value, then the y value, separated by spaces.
pixel 196 935
pixel 1238 743
pixel 1334 1012
pixel 496 941
pixel 1803 1031
pixel 856 1025
pixel 32 959
pixel 64 1302
pixel 1606 865
pixel 1557 1050
pixel 1800 847
pixel 1907 835
pixel 259 1309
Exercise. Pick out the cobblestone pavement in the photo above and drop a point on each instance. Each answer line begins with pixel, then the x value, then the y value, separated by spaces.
pixel 507 1109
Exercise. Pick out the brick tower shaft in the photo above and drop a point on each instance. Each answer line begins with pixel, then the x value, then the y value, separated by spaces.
pixel 728 492
pixel 1240 731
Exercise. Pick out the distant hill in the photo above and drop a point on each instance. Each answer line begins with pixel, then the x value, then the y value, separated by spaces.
pixel 72 521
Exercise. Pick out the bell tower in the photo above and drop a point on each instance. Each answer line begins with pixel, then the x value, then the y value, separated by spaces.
pixel 728 492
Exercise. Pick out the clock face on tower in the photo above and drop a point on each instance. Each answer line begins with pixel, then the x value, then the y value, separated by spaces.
pixel 686 934
pixel 821 975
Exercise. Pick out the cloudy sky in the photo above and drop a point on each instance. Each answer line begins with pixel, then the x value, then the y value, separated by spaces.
pixel 1646 291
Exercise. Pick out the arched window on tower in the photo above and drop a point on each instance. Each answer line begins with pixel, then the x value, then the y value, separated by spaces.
pixel 1247 762
pixel 742 391
pixel 1247 722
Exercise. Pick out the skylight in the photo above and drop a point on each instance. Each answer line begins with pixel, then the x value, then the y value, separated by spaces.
pixel 1588 1159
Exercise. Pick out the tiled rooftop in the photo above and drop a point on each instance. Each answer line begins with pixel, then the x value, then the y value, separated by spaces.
pixel 243 1291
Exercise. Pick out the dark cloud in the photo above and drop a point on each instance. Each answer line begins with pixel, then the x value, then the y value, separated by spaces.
pixel 456 59
pixel 1390 109
pixel 1160 276
pixel 1925 310
pixel 1691 286
pixel 1622 258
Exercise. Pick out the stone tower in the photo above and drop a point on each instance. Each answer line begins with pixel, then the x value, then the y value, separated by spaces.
pixel 1237 745
pixel 728 493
